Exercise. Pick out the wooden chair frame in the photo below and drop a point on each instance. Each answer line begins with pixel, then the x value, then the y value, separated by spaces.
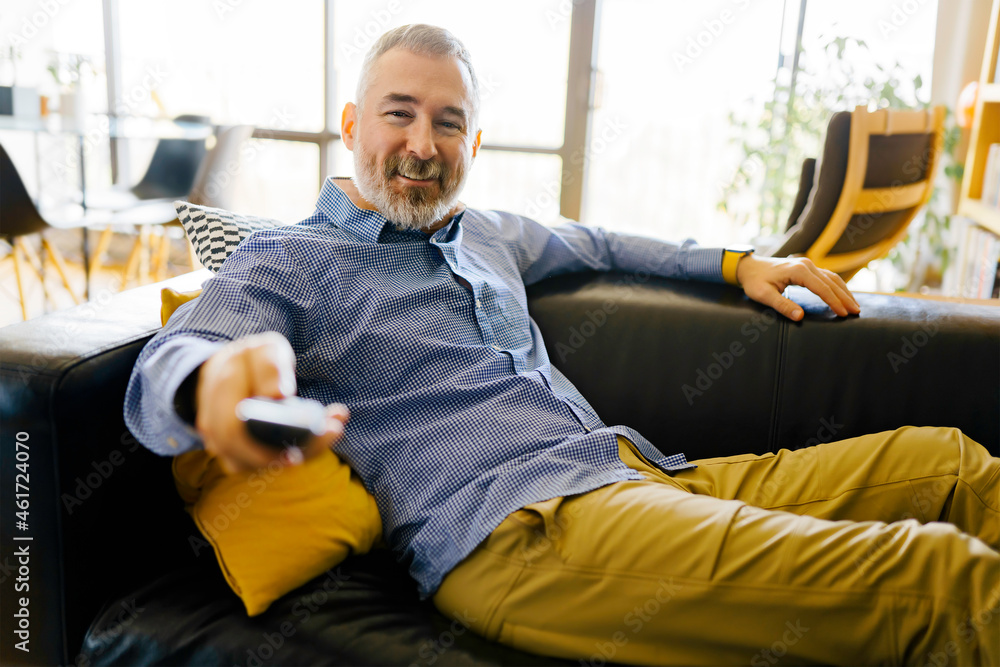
pixel 855 199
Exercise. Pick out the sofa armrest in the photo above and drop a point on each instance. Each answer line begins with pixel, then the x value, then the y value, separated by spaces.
pixel 699 368
pixel 93 531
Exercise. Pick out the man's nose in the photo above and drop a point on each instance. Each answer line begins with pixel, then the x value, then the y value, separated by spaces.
pixel 420 140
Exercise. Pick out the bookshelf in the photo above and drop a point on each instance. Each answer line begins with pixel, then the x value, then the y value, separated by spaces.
pixel 979 204
pixel 985 131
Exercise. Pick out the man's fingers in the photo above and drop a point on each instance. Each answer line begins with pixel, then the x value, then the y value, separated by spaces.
pixel 840 287
pixel 821 286
pixel 242 458
pixel 786 307
pixel 339 412
pixel 826 285
pixel 336 417
pixel 765 279
pixel 259 365
pixel 270 366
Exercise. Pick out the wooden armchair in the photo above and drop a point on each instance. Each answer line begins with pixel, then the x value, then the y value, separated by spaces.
pixel 876 172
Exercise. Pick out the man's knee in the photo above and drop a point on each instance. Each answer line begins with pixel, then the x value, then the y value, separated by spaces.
pixel 934 440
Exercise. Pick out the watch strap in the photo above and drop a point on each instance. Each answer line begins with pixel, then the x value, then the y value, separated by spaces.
pixel 730 259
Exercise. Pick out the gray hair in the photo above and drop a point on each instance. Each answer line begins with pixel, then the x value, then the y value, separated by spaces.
pixel 425 40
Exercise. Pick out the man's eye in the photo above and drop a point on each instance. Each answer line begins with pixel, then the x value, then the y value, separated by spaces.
pixel 398 114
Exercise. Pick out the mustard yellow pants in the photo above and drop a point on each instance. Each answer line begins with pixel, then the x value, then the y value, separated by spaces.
pixel 833 554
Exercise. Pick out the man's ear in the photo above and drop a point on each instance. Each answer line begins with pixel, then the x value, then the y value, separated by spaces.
pixel 475 145
pixel 348 120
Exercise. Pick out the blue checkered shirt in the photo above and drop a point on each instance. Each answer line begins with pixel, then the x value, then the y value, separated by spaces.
pixel 458 417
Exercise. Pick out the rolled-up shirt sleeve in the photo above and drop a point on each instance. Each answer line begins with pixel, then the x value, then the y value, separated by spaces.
pixel 261 287
pixel 569 247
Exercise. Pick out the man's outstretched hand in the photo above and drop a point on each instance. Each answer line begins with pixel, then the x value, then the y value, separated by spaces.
pixel 258 365
pixel 765 278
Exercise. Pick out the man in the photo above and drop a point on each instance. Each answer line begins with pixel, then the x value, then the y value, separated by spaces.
pixel 512 502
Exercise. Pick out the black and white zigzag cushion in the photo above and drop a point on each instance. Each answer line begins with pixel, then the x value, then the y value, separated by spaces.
pixel 215 232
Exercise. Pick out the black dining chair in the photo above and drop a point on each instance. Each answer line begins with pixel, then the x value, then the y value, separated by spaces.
pixel 174 165
pixel 214 185
pixel 170 174
pixel 19 219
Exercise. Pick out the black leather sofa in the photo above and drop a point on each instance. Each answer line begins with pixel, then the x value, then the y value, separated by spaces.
pixel 116 573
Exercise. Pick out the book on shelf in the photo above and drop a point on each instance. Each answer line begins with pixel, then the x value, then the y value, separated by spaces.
pixel 978 261
pixel 991 177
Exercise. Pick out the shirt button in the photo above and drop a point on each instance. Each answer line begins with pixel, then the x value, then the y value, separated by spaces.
pixel 172 442
pixel 498 349
pixel 479 304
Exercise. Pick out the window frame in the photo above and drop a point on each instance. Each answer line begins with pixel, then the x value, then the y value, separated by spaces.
pixel 580 86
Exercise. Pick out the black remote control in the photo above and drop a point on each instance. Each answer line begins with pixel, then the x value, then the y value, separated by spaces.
pixel 282 422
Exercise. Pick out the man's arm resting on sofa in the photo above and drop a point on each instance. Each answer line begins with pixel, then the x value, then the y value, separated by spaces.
pixel 547 251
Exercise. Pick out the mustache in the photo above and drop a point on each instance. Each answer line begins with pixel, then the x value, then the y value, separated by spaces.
pixel 414 168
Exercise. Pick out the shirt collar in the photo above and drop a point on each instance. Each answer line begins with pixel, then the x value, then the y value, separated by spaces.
pixel 338 207
pixel 367 225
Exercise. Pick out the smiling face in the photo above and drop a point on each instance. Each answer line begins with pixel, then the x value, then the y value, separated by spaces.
pixel 413 138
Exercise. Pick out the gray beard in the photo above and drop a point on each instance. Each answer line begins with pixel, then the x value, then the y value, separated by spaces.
pixel 415 210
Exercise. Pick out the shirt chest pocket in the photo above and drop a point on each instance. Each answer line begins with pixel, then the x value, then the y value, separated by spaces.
pixel 512 327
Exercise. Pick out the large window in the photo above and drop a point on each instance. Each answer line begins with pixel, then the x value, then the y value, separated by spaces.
pixel 56 49
pixel 234 62
pixel 521 52
pixel 658 153
pixel 672 74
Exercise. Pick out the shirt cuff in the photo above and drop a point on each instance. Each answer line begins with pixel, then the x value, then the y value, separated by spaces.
pixel 172 364
pixel 704 264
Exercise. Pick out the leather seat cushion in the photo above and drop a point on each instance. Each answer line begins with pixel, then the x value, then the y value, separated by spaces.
pixel 363 612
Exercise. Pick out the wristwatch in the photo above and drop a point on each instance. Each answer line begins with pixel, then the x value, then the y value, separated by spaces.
pixel 731 256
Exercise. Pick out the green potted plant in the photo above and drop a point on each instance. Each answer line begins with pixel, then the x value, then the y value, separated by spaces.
pixel 791 126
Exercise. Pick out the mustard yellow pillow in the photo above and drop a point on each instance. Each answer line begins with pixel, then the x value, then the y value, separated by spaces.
pixel 276 528
pixel 171 300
